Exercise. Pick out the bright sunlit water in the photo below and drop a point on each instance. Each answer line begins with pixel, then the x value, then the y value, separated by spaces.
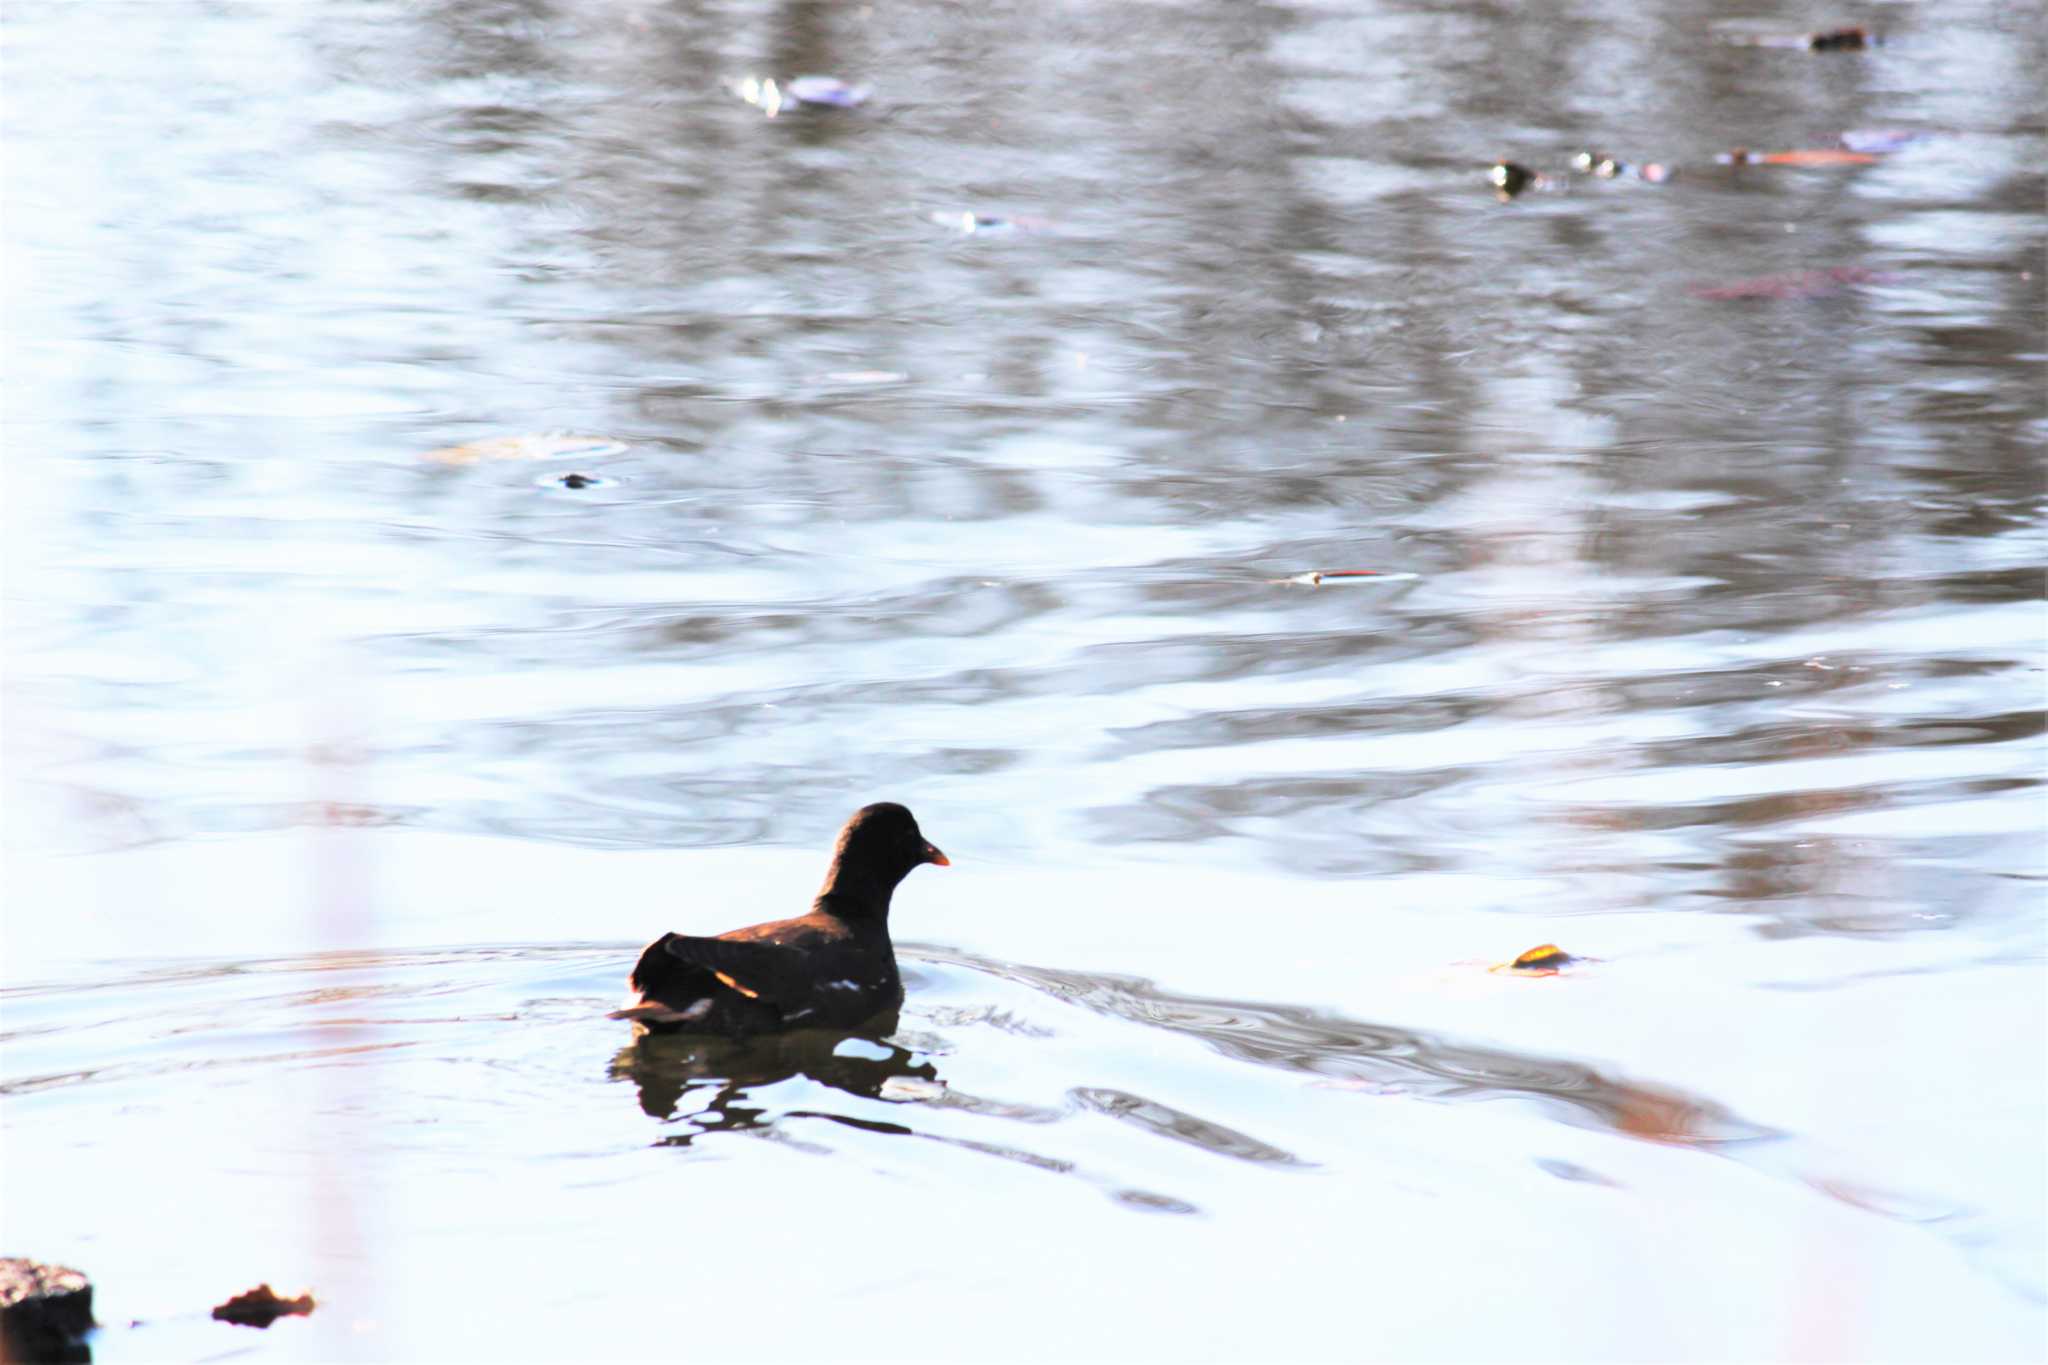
pixel 351 753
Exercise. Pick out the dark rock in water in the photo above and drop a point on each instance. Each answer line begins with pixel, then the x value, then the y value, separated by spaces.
pixel 45 1312
pixel 1841 39
pixel 576 481
pixel 262 1306
pixel 1510 178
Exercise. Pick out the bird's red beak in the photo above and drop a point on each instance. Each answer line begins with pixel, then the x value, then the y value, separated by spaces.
pixel 932 855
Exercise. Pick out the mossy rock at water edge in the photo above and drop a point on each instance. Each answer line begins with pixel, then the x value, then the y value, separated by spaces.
pixel 45 1311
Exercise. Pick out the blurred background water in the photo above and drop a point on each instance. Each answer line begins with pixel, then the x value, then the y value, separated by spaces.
pixel 350 750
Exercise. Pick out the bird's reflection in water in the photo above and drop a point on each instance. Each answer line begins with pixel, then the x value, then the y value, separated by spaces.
pixel 708 1081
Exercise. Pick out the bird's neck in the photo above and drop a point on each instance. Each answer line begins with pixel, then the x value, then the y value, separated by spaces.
pixel 851 896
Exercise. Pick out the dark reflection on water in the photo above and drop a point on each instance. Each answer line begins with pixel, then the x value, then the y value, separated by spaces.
pixel 1168 1122
pixel 713 1086
pixel 1296 1038
pixel 706 1080
pixel 384 1001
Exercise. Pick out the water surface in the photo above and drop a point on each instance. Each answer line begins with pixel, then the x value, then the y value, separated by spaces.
pixel 343 778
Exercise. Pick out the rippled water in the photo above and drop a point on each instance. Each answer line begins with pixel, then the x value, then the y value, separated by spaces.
pixel 352 748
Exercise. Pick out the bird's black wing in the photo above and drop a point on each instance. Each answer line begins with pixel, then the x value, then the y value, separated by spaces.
pixel 771 972
pixel 657 973
pixel 665 987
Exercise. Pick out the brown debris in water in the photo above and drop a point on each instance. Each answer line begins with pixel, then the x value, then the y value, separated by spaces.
pixel 1805 156
pixel 1848 38
pixel 261 1306
pixel 1510 178
pixel 1851 39
pixel 1798 284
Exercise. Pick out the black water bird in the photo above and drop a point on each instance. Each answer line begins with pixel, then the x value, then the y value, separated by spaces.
pixel 832 968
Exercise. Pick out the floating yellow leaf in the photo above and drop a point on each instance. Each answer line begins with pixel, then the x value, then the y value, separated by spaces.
pixel 1545 959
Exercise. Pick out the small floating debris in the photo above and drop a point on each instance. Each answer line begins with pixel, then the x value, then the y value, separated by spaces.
pixel 911 1089
pixel 826 90
pixel 763 95
pixel 575 481
pixel 1510 178
pixel 967 223
pixel 1805 156
pixel 1315 578
pixel 528 447
pixel 1799 284
pixel 262 1306
pixel 1603 167
pixel 1850 38
pixel 1543 960
pixel 771 97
